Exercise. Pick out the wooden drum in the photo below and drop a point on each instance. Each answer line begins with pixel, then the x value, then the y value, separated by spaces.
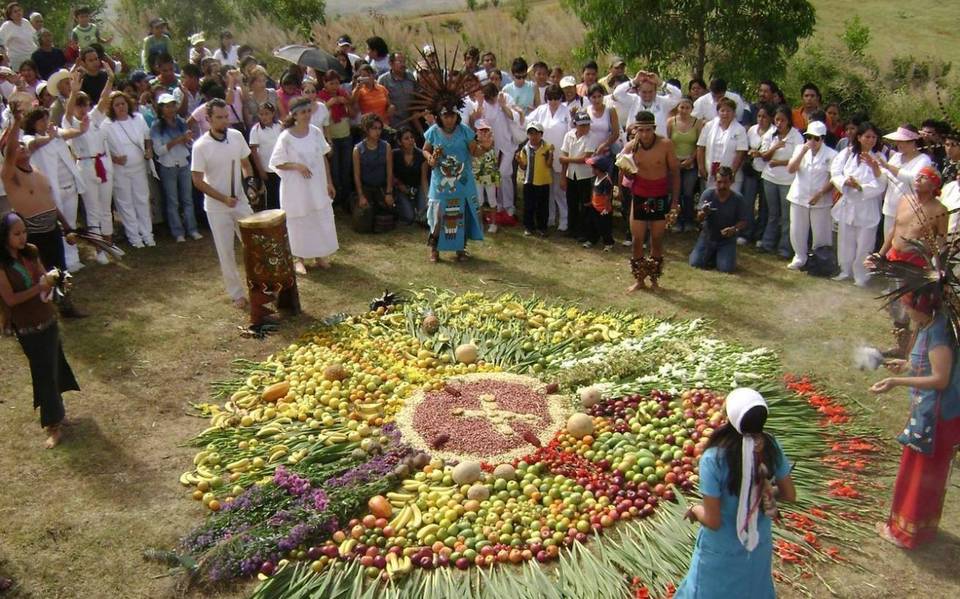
pixel 269 264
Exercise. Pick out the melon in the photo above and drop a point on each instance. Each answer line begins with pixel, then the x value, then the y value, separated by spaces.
pixel 465 473
pixel 579 425
pixel 466 353
pixel 478 492
pixel 589 397
pixel 505 471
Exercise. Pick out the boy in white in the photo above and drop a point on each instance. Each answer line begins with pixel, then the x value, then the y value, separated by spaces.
pixel 219 164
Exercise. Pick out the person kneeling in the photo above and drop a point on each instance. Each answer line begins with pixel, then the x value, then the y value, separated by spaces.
pixel 724 215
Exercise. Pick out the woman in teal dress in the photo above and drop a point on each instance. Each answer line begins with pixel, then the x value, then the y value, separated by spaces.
pixel 452 214
pixel 734 550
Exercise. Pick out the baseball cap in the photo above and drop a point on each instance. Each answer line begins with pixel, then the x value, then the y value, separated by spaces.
pixel 41 88
pixel 616 61
pixel 481 124
pixel 816 129
pixel 166 99
pixel 581 118
pixel 603 162
pixel 196 38
pixel 568 81
pixel 535 126
pixel 344 40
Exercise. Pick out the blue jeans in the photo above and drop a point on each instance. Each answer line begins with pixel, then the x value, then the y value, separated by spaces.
pixel 776 237
pixel 411 207
pixel 688 188
pixel 756 225
pixel 707 254
pixel 178 192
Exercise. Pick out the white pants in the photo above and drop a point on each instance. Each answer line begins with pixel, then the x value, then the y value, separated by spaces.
pixel 68 203
pixel 802 220
pixel 223 226
pixel 488 195
pixel 558 204
pixel 133 202
pixel 507 184
pixel 855 243
pixel 97 199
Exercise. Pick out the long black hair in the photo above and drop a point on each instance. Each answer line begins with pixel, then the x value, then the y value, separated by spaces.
pixel 6 223
pixel 730 442
pixel 855 148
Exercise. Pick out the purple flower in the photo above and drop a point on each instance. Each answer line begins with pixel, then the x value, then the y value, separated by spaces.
pixel 290 482
pixel 317 499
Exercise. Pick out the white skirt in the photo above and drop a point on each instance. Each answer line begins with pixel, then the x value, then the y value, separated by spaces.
pixel 313 235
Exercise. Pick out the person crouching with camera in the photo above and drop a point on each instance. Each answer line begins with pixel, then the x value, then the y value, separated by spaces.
pixel 724 215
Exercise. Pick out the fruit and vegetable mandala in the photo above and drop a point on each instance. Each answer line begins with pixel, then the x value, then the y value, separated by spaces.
pixel 463 445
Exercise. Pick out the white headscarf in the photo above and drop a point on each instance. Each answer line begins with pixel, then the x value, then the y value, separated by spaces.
pixel 738 403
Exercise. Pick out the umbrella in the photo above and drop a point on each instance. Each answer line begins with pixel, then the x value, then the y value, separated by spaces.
pixel 309 56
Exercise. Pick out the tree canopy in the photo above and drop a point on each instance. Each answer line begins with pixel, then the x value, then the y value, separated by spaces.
pixel 742 41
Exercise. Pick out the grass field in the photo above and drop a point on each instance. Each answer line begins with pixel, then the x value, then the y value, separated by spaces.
pixel 73 522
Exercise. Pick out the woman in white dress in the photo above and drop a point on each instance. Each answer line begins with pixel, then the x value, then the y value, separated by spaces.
pixel 131 150
pixel 855 173
pixel 301 158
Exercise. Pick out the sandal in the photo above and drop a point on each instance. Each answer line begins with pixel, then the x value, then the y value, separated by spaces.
pixel 434 256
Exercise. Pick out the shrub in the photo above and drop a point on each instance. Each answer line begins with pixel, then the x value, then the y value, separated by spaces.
pixel 856 36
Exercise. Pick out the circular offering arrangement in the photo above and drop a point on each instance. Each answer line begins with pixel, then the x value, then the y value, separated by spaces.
pixel 384 452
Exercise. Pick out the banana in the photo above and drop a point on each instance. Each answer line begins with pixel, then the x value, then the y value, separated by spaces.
pixel 405 515
pixel 346 547
pixel 269 431
pixel 239 394
pixel 200 457
pixel 402 497
pixel 204 472
pixel 277 455
pixel 406 565
pixel 417 519
pixel 185 479
pixel 241 465
pixel 411 484
pixel 429 529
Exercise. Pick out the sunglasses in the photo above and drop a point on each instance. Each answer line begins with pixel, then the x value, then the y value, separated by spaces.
pixel 813 137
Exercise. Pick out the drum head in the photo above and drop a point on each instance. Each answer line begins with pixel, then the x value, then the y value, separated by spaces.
pixel 266 219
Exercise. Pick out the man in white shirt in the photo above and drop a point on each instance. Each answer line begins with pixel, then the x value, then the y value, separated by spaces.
pixel 219 165
pixel 705 107
pixel 346 45
pixel 227 52
pixel 640 93
pixel 489 63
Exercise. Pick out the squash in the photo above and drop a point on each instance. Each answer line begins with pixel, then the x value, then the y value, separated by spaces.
pixel 478 492
pixel 505 471
pixel 466 353
pixel 275 391
pixel 380 506
pixel 589 397
pixel 465 473
pixel 580 425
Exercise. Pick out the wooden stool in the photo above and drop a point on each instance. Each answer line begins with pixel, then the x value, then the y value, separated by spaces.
pixel 269 264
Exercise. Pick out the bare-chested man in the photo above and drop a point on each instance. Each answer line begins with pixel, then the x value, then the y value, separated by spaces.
pixel 655 192
pixel 31 195
pixel 924 219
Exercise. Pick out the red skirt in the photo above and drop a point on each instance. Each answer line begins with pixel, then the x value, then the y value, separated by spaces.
pixel 921 487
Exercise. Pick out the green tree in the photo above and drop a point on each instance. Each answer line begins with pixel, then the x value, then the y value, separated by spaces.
pixel 741 41
pixel 58 14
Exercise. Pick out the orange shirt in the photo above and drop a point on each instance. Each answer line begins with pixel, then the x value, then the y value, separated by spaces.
pixel 374 100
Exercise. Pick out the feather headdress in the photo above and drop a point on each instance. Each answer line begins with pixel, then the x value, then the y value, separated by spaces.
pixel 442 87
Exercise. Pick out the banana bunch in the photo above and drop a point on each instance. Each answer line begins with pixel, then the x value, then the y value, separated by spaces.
pixel 399 500
pixel 410 516
pixel 398 565
pixel 346 548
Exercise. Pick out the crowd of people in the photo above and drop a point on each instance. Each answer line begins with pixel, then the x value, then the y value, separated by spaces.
pixel 203 140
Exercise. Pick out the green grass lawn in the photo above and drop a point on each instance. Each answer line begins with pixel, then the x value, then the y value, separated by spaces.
pixel 73 522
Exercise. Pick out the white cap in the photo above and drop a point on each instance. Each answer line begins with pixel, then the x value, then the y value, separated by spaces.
pixel 816 129
pixel 166 99
pixel 535 125
pixel 568 81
